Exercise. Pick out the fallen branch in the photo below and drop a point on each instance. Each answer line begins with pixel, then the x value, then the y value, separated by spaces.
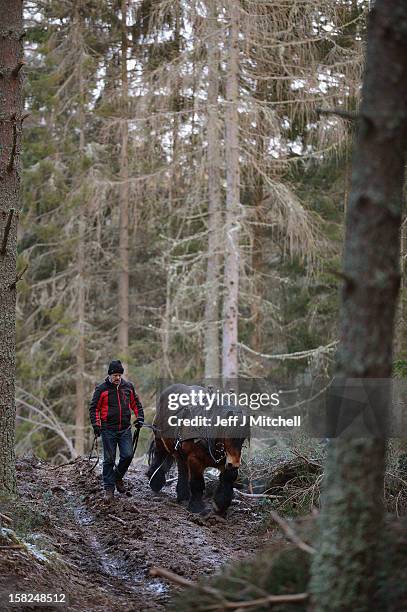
pixel 6 518
pixel 116 518
pixel 269 599
pixel 57 467
pixel 290 533
pixel 229 605
pixel 257 495
pixel 11 546
pixel 171 576
pixel 185 582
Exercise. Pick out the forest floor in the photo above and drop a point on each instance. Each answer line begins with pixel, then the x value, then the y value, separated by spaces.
pixel 68 540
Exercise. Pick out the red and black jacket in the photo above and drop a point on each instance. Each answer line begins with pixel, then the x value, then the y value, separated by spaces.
pixel 111 405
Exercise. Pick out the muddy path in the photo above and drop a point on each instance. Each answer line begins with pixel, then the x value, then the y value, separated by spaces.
pixel 102 553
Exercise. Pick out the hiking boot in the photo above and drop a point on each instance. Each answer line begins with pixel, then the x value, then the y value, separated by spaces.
pixel 120 486
pixel 109 495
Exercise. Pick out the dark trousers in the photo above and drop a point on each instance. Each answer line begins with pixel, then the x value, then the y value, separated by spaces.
pixel 111 440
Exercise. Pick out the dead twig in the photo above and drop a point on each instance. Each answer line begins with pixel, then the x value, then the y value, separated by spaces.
pixel 338 112
pixel 7 231
pixel 257 495
pixel 269 599
pixel 18 277
pixel 116 518
pixel 290 533
pixel 10 164
pixel 17 69
pixel 306 459
pixel 12 546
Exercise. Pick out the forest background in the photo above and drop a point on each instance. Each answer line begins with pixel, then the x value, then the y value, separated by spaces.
pixel 186 171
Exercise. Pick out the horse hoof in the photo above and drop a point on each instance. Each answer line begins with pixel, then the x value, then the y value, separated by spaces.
pixel 196 508
pixel 205 513
pixel 220 513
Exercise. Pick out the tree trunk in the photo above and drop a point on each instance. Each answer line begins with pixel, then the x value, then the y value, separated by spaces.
pixel 81 304
pixel 258 231
pixel 232 228
pixel 400 348
pixel 211 340
pixel 345 567
pixel 80 351
pixel 11 107
pixel 123 337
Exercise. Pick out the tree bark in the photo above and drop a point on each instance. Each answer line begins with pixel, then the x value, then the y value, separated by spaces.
pixel 211 340
pixel 11 108
pixel 345 568
pixel 232 227
pixel 123 335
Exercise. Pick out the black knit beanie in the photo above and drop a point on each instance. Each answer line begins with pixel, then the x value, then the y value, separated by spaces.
pixel 115 367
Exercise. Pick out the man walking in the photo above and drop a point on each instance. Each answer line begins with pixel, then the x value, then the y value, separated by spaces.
pixel 110 411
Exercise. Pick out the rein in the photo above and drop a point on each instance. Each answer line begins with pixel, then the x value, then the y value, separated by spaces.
pixel 95 446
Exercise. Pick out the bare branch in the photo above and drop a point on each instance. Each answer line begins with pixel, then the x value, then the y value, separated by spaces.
pixel 17 69
pixel 18 277
pixel 13 149
pixel 7 231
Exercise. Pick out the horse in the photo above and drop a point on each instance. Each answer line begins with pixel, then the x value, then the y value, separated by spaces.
pixel 194 451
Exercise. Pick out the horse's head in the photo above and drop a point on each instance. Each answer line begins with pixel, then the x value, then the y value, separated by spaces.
pixel 234 436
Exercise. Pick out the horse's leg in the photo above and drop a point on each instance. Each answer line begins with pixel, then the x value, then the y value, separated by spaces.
pixel 183 490
pixel 196 484
pixel 158 466
pixel 224 492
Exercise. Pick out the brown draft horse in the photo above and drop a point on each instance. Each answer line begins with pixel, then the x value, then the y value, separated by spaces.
pixel 194 454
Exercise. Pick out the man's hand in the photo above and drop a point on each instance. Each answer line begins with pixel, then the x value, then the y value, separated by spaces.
pixel 139 423
pixel 96 431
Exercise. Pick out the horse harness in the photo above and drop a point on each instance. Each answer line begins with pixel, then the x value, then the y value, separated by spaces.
pixel 217 454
